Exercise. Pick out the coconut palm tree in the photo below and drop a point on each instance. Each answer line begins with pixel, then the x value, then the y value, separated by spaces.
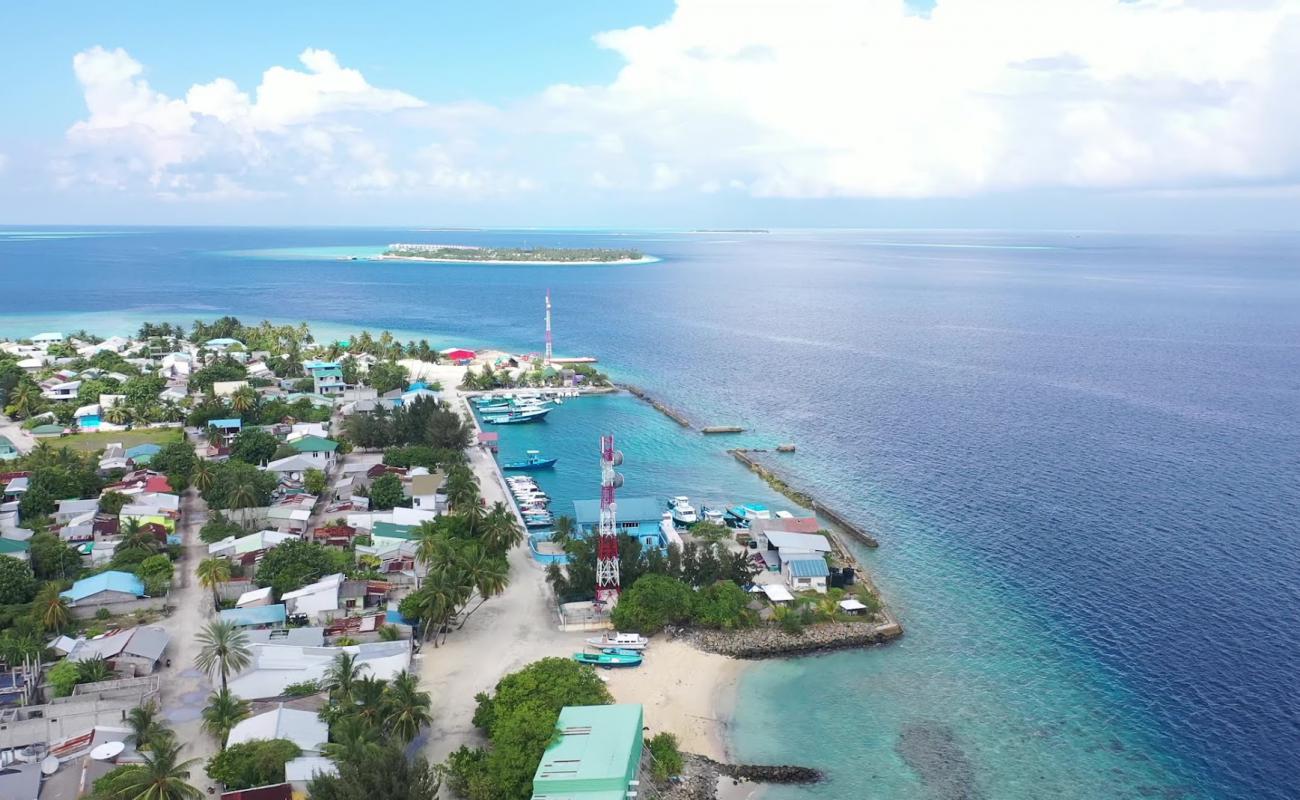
pixel 117 414
pixel 243 400
pixel 203 475
pixel 406 707
pixel 212 572
pixel 136 537
pixel 489 576
pixel 354 742
pixel 368 700
pixel 24 400
pixel 462 488
pixel 51 609
pixel 562 530
pixel 243 495
pixel 223 649
pixel 500 530
pixel 163 775
pixel 146 727
pixel 224 711
pixel 341 678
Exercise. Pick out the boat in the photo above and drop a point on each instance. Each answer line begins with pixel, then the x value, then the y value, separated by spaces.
pixel 608 660
pixel 712 516
pixel 516 417
pixel 538 523
pixel 683 512
pixel 742 515
pixel 627 641
pixel 620 651
pixel 533 460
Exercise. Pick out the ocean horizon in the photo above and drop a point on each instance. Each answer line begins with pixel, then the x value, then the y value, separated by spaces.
pixel 1078 449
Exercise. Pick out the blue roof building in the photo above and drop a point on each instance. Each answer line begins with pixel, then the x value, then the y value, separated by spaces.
pixel 255 617
pixel 105 588
pixel 638 517
pixel 226 424
pixel 142 453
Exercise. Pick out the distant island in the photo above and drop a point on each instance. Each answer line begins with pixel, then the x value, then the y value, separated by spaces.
pixel 514 255
pixel 731 230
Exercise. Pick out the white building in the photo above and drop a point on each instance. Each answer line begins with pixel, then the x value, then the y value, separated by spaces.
pixel 303 728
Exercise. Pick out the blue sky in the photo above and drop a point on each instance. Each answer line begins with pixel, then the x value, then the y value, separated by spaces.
pixel 979 113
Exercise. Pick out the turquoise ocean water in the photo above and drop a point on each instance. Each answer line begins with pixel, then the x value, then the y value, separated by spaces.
pixel 1079 451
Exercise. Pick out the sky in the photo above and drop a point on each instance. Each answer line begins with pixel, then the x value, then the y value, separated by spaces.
pixel 1019 114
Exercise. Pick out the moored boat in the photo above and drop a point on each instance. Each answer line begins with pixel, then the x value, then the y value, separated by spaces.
pixel 608 660
pixel 627 641
pixel 683 512
pixel 531 461
pixel 516 417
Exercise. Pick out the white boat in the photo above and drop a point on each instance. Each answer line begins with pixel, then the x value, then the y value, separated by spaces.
pixel 683 512
pixel 627 641
pixel 714 516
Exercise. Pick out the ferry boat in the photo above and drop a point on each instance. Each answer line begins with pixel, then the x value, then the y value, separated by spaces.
pixel 532 460
pixel 516 417
pixel 683 512
pixel 627 641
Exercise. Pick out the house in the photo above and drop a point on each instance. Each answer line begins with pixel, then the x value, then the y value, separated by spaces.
pixel 249 549
pixel 137 651
pixel 141 454
pixel 425 490
pixel 327 378
pixel 300 771
pixel 8 450
pixel 300 429
pixel 299 637
pixel 20 781
pixel 174 393
pixel 150 508
pixel 273 667
pixel 319 449
pixel 255 616
pixel 47 339
pixel 176 365
pixel 318 601
pixel 68 510
pixel 594 755
pixel 806 572
pixel 254 598
pixel 15 548
pixel 292 466
pixel 275 791
pixel 50 429
pixel 794 545
pixel 65 390
pixel 638 517
pixel 303 728
pixel 104 589
pixel 223 345
pixel 227 388
pixel 226 427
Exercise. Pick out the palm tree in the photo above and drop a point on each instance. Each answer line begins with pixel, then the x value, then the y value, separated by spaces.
pixel 340 680
pixel 406 707
pixel 203 475
pixel 213 572
pixel 93 670
pixel 489 576
pixel 243 495
pixel 433 545
pixel 51 609
pixel 223 713
pixel 162 776
pixel 243 399
pixel 145 726
pixel 462 488
pixel 25 399
pixel 562 530
pixel 223 649
pixel 117 414
pixel 354 742
pixel 368 700
pixel 501 530
pixel 136 537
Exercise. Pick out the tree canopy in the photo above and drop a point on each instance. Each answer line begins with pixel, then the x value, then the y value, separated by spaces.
pixel 298 562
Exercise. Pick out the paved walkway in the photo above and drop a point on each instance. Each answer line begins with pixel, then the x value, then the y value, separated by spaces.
pixel 14 432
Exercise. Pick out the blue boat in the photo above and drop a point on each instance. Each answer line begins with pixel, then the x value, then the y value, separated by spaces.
pixel 533 460
pixel 516 417
pixel 608 660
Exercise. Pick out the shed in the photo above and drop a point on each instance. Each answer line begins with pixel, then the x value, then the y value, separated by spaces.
pixel 594 755
pixel 104 589
pixel 254 616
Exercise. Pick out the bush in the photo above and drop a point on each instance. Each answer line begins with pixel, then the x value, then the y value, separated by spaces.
pixel 256 763
pixel 103 614
pixel 666 759
pixel 653 602
pixel 303 689
pixel 722 605
pixel 218 528
pixel 298 562
pixel 386 492
pixel 62 677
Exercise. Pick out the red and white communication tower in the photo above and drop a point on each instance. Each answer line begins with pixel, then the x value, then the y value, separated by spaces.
pixel 548 328
pixel 607 586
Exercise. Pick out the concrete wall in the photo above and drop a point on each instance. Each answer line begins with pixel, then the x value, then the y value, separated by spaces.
pixel 87 608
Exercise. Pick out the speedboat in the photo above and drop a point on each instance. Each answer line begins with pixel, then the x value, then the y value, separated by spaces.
pixel 532 460
pixel 627 641
pixel 516 417
pixel 608 660
pixel 683 512
pixel 742 516
pixel 712 516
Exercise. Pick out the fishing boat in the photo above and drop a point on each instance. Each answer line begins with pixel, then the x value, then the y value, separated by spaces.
pixel 608 660
pixel 621 651
pixel 538 522
pixel 683 512
pixel 742 515
pixel 712 516
pixel 532 460
pixel 517 417
pixel 627 641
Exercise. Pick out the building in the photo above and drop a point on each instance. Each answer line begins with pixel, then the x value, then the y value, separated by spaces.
pixel 303 728
pixel 595 755
pixel 425 490
pixel 327 378
pixel 227 388
pixel 299 771
pixel 8 450
pixel 47 339
pixel 806 572
pixel 638 517
pixel 319 600
pixel 273 667
pixel 255 616
pixel 136 651
pixel 61 391
pixel 14 548
pixel 249 549
pixel 104 589
pixel 317 449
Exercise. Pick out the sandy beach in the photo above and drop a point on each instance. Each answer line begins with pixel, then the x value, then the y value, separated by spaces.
pixel 684 690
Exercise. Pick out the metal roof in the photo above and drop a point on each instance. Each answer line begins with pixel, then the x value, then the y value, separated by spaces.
pixel 111 581
pixel 314 444
pixel 630 509
pixel 594 754
pixel 303 728
pixel 254 615
pixel 798 541
pixel 807 567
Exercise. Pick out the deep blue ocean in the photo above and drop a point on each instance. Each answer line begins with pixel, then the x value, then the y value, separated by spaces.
pixel 1080 451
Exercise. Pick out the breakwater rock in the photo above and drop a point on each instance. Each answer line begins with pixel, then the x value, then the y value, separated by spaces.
pixel 701 774
pixel 771 642
pixel 668 411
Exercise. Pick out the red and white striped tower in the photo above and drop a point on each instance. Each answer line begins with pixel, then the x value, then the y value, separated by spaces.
pixel 548 328
pixel 607 586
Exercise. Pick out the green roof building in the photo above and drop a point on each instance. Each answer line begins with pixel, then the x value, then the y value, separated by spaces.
pixel 314 444
pixel 595 755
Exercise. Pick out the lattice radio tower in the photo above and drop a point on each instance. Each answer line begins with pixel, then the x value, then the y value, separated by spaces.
pixel 607 586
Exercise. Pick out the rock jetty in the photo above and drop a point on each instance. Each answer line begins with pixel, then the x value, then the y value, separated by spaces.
pixel 772 642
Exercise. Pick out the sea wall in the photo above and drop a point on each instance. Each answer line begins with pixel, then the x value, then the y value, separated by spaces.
pixel 700 776
pixel 668 411
pixel 772 642
pixel 803 498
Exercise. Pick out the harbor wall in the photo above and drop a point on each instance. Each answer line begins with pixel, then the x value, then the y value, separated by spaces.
pixel 672 413
pixel 803 498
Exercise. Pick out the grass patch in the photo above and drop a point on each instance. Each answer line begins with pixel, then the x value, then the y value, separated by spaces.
pixel 98 440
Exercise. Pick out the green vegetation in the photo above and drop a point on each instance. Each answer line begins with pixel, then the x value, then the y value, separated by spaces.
pixel 17 583
pixel 519 720
pixel 95 441
pixel 162 776
pixel 297 563
pixel 256 763
pixel 303 689
pixel 386 492
pixel 436 252
pixel 427 421
pixel 665 758
pixel 385 773
pixel 538 376
pixel 696 565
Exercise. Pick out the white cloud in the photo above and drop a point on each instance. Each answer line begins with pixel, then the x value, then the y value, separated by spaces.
pixel 772 98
